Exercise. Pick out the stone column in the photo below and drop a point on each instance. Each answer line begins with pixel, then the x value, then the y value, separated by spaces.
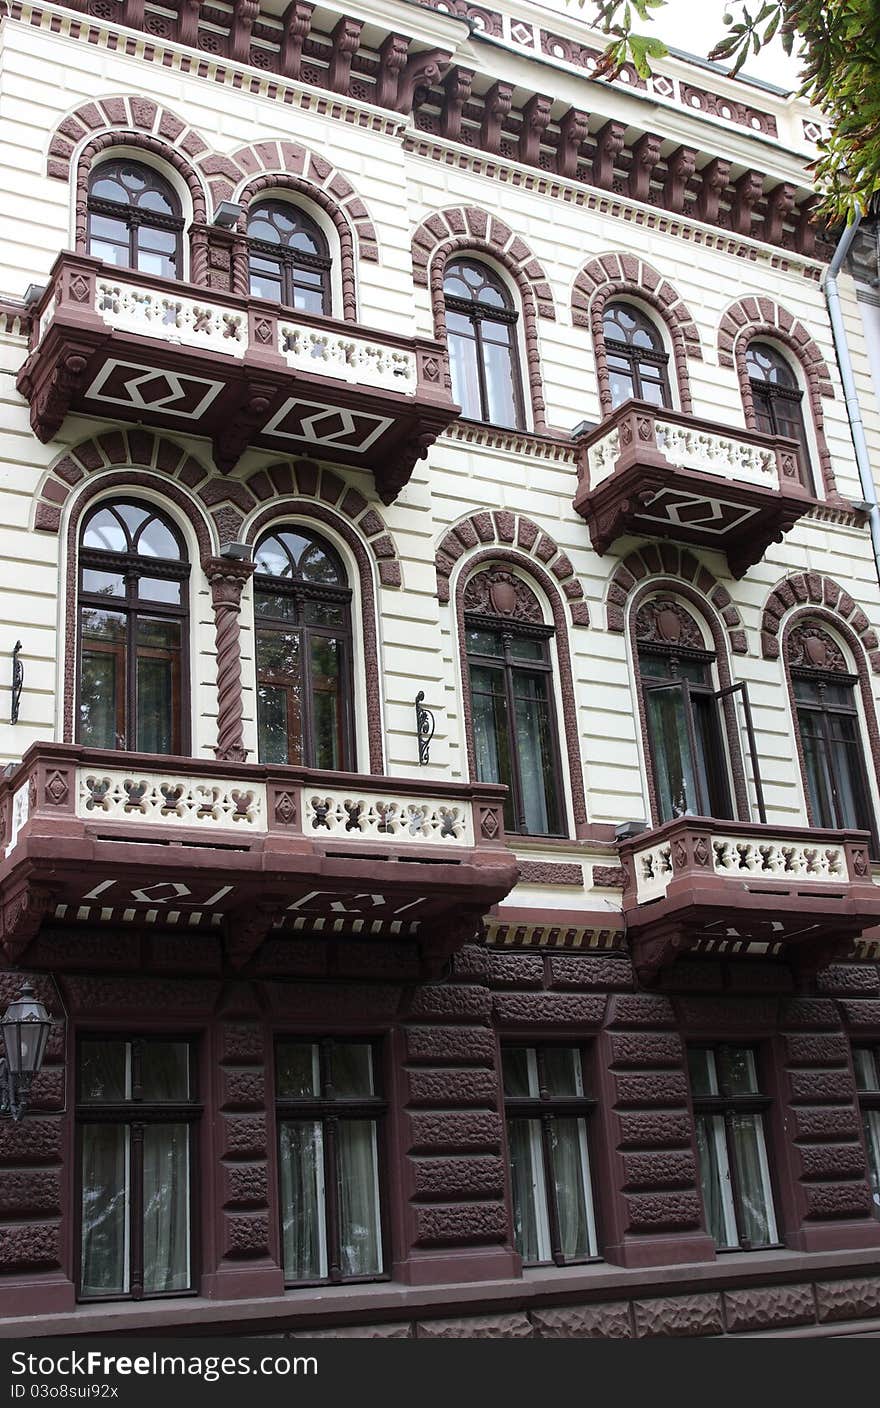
pixel 227 576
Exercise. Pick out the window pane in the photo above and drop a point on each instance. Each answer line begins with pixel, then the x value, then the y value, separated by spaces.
pixel 515 1071
pixel 165 1068
pixel 166 1207
pixel 484 643
pixel 571 1178
pixel 816 765
pixel 298 1070
pixel 351 1069
pixel 104 1072
pixel 524 649
pixel 562 1070
pixel 105 1194
pixel 671 751
pixel 701 1066
pixel 871 1120
pixel 534 742
pixel 102 679
pixel 865 1068
pixel 715 1180
pixel 159 589
pixel 277 605
pixel 157 676
pixel 326 704
pixel 303 1228
pixel 104 583
pixel 500 392
pixel 463 370
pixel 737 1072
pixel 272 724
pixel 757 1221
pixel 279 696
pixel 528 1190
pixel 358 1195
pixel 491 738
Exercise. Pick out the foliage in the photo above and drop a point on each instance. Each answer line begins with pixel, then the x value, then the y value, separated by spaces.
pixel 838 43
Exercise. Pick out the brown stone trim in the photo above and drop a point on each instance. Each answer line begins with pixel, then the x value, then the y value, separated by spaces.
pixel 543 872
pixel 614 274
pixel 549 446
pixel 15 318
pixel 756 317
pixel 815 590
pixel 307 508
pixel 227 578
pixel 468 228
pixel 680 563
pixel 518 928
pixel 697 598
pixel 505 528
pixel 566 681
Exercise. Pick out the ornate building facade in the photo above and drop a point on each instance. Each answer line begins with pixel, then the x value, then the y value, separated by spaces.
pixel 444 774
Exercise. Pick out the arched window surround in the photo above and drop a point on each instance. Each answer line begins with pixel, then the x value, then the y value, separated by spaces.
pixel 661 328
pixel 795 367
pixel 179 192
pixel 714 637
pixel 329 228
pixel 515 310
pixel 564 693
pixel 327 214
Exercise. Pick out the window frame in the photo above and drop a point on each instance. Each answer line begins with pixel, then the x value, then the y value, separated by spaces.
pixel 822 679
pixel 869 1109
pixel 477 313
pixel 189 1112
pixel 290 260
pixel 134 217
pixel 767 395
pixel 132 566
pixel 329 1109
pixel 718 762
pixel 728 1106
pixel 543 1108
pixel 630 353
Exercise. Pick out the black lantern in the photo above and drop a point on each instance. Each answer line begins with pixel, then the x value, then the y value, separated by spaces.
pixel 25 1025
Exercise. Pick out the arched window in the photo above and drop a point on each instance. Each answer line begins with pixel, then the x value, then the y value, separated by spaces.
pixel 289 257
pixel 831 743
pixel 135 219
pixel 302 605
pixel 481 333
pixel 776 397
pixel 685 733
pixel 132 630
pixel 512 706
pixel 637 359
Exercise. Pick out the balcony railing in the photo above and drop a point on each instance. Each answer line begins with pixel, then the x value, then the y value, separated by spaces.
pixel 658 473
pixel 721 886
pixel 240 370
pixel 245 849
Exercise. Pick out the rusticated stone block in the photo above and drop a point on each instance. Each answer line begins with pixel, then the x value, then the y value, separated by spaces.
pixel 704 976
pixel 33 1140
pixel 658 1088
pixel 30 1190
pixel 471 961
pixel 759 977
pixel 471 1087
pixel 661 1170
pixel 47 1091
pixel 477 1327
pixel 587 972
pixel 861 1015
pixel 451 1002
pixel 452 1177
pixel 401 1330
pixel 825 1122
pixel 593 1322
pixel 846 979
pixel 245 1185
pixel 850 1299
pixel 140 994
pixel 243 1089
pixel 471 1045
pixel 377 960
pixel 241 1041
pixel 461 1130
pixel 460 1224
pixel 516 970
pixel 803 1013
pixel 298 958
pixel 837 1199
pixel 832 1161
pixel 678 1315
pixel 243 1136
pixel 756 1309
pixel 727 1014
pixel 646 1049
pixel 640 1010
pixel 30 1244
pixel 647 1127
pixel 549 1009
pixel 245 1236
pixel 829 1049
pixel 814 1086
pixel 663 1212
pixel 334 1002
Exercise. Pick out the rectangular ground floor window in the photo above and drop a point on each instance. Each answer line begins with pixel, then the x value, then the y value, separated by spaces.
pixel 866 1065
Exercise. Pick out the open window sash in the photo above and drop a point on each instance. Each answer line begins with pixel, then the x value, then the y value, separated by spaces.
pixel 681 768
pixel 742 689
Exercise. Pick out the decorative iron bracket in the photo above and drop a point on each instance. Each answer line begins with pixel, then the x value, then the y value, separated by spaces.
pixel 425 726
pixel 17 682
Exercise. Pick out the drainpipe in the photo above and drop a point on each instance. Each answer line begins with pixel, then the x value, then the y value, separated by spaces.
pixel 844 361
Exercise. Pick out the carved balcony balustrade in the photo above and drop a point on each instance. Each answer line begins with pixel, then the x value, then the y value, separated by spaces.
pixel 735 887
pixel 241 371
pixel 658 473
pixel 245 850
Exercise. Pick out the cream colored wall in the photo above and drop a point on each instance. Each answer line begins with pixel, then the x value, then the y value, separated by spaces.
pixel 42 77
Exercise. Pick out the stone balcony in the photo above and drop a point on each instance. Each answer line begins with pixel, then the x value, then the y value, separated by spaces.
pixel 660 474
pixel 732 887
pixel 241 371
pixel 242 850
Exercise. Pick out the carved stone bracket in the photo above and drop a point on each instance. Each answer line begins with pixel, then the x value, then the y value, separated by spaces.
pixel 227 577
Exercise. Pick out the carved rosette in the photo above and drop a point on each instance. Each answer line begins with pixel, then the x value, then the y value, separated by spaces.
pixel 227 577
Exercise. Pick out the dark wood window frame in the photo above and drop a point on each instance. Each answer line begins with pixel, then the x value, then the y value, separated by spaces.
pixel 544 1109
pixel 135 1114
pixel 824 679
pixel 290 260
pixel 477 313
pixel 778 406
pixel 509 630
pixel 329 1110
pixel 135 217
pixel 633 355
pixel 132 566
pixel 869 1106
pixel 729 1106
pixel 717 761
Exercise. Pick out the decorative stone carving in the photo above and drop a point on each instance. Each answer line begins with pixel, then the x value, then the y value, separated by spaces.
pixel 809 647
pixel 665 621
pixel 227 577
pixel 498 593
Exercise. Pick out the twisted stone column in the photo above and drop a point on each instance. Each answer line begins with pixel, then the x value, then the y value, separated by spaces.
pixel 227 576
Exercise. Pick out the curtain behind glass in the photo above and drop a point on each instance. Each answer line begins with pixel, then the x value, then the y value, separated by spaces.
pixel 528 1194
pixel 534 750
pixel 568 1152
pixel 758 1223
pixel 105 1192
pixel 166 1208
pixel 671 749
pixel 715 1180
pixel 358 1191
pixel 302 1200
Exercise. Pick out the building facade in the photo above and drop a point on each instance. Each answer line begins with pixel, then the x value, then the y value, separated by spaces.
pixel 441 701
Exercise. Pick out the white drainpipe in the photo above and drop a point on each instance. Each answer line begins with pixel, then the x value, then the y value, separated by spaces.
pixel 844 361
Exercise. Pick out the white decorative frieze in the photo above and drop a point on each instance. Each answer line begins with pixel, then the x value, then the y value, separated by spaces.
pixel 653 871
pixel 187 321
pixel 346 358
pixel 175 801
pixel 602 457
pixel 723 455
pixel 787 860
pixel 376 818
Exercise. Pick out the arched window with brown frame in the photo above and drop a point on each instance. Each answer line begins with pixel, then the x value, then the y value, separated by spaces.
pixel 777 398
pixel 638 363
pixel 513 708
pixel 133 616
pixel 289 257
pixel 135 219
pixel 824 691
pixel 481 330
pixel 302 610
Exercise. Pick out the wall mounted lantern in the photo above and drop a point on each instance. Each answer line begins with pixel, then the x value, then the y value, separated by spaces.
pixel 25 1026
